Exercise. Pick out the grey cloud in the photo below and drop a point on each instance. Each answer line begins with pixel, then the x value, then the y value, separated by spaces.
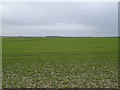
pixel 102 17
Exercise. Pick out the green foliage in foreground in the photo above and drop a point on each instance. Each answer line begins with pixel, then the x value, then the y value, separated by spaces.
pixel 67 62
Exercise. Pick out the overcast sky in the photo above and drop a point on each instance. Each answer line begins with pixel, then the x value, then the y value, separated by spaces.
pixel 67 18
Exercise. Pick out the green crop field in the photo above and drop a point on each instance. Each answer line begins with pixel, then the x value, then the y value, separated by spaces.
pixel 60 62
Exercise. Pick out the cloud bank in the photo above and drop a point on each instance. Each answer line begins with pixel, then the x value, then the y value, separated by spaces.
pixel 57 18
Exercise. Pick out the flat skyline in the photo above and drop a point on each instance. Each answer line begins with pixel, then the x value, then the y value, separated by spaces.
pixel 73 19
